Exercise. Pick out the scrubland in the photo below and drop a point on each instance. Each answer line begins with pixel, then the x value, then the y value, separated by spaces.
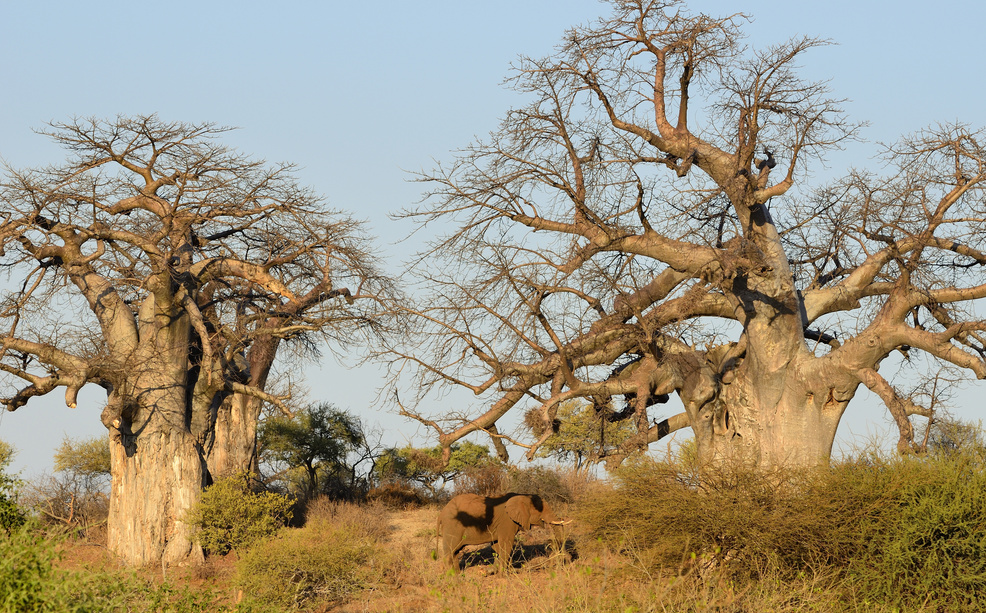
pixel 871 533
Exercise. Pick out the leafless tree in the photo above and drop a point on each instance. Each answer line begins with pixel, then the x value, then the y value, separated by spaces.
pixel 168 269
pixel 643 227
pixel 67 499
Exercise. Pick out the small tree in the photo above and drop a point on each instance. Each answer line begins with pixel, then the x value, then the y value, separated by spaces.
pixel 78 493
pixel 581 433
pixel 87 460
pixel 946 436
pixel 426 466
pixel 323 443
pixel 11 515
pixel 7 453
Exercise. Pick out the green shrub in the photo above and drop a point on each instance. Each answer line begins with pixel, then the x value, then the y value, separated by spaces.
pixel 230 516
pixel 11 515
pixel 922 544
pixel 134 595
pixel 30 580
pixel 336 555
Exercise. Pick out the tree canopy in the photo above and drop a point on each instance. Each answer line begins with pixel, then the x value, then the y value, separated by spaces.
pixel 322 442
pixel 427 467
pixel 580 433
pixel 651 204
pixel 89 458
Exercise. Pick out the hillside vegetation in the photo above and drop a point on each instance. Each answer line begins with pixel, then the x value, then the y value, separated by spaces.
pixel 871 533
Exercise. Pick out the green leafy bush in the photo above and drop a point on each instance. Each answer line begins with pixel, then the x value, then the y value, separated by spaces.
pixel 230 516
pixel 31 581
pixel 336 555
pixel 922 544
pixel 11 515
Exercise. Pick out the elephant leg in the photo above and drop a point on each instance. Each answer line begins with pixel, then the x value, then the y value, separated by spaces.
pixel 504 547
pixel 449 550
pixel 502 554
pixel 458 555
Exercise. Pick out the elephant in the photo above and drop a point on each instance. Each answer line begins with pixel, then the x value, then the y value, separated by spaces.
pixel 470 519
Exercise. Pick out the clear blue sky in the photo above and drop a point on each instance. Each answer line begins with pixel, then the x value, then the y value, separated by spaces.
pixel 360 93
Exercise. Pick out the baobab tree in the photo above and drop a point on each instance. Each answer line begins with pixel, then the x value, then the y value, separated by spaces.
pixel 168 269
pixel 644 227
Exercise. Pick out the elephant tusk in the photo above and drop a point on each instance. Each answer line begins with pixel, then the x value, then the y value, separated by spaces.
pixel 561 522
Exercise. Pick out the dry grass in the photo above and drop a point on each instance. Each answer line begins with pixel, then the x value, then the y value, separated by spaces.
pixel 903 535
pixel 598 579
pixel 594 576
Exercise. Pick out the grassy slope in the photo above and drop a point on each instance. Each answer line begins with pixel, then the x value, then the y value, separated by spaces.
pixel 598 579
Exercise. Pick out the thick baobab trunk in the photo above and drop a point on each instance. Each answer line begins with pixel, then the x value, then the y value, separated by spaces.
pixel 158 472
pixel 776 404
pixel 157 477
pixel 233 444
pixel 157 462
pixel 787 417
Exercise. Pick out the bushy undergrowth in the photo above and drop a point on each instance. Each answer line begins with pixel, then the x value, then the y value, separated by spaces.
pixel 232 517
pixel 874 533
pixel 556 486
pixel 925 542
pixel 31 581
pixel 396 495
pixel 336 555
pixel 11 515
pixel 547 483
pixel 901 532
pixel 486 480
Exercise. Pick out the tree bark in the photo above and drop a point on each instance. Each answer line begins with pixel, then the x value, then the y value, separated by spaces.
pixel 157 477
pixel 156 460
pixel 785 417
pixel 234 445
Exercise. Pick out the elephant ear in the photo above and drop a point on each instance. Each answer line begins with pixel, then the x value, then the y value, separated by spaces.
pixel 519 510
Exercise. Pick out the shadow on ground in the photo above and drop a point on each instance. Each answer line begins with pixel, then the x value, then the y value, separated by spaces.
pixel 521 555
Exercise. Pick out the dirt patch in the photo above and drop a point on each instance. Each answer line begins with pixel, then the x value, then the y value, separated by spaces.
pixel 78 555
pixel 414 527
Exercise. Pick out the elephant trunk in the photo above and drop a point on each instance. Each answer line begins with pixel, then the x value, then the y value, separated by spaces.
pixel 558 533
